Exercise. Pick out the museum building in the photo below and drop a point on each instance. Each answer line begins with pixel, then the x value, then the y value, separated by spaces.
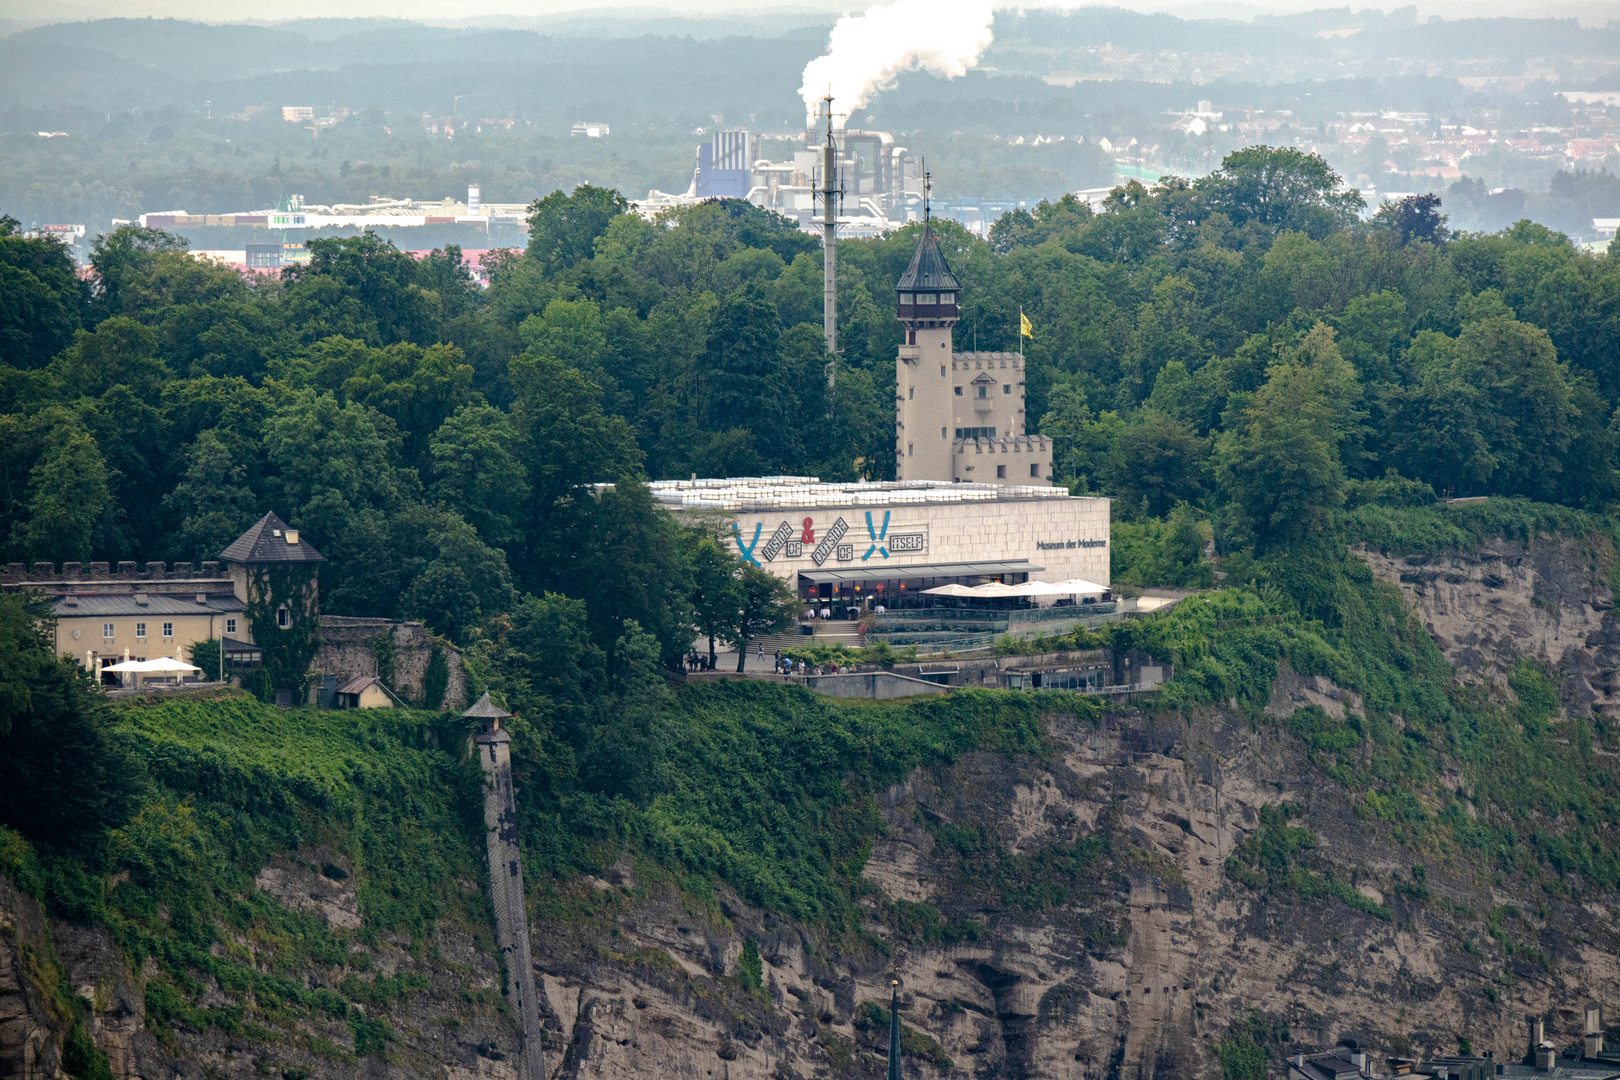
pixel 974 501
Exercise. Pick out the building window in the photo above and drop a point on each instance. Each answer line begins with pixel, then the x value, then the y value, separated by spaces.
pixel 911 394
pixel 958 391
pixel 1001 472
pixel 942 371
pixel 283 618
pixel 975 433
pixel 1035 469
pixel 168 629
pixel 1006 388
pixel 909 449
pixel 230 626
pixel 106 631
pixel 140 631
pixel 984 391
pixel 942 433
pixel 927 298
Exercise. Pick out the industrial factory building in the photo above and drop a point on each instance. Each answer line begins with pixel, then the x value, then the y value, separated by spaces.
pixel 880 184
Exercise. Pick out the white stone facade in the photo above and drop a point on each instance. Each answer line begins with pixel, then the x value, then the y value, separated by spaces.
pixel 792 525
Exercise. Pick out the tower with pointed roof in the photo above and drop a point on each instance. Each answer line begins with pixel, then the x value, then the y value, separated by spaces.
pixel 958 416
pixel 275 573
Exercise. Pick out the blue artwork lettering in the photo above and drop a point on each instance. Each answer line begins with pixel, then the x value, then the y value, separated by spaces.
pixel 877 536
pixel 748 551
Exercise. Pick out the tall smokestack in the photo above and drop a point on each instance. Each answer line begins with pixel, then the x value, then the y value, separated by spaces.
pixel 829 252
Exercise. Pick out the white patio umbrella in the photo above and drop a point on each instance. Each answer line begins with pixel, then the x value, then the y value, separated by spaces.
pixel 152 667
pixel 994 588
pixel 1072 587
pixel 953 589
pixel 163 665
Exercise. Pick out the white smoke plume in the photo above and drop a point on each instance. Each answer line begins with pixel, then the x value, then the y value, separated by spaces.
pixel 868 52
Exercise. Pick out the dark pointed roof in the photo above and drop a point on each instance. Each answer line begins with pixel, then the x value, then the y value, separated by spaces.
pixel 268 541
pixel 928 271
pixel 486 709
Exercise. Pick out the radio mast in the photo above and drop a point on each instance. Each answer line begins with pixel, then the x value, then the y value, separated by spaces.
pixel 830 196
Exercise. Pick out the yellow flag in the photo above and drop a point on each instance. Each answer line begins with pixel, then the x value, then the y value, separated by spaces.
pixel 1025 328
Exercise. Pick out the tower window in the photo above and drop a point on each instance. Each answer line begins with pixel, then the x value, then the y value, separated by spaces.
pixel 984 391
pixel 230 626
pixel 1006 388
pixel 942 434
pixel 911 393
pixel 942 371
pixel 283 618
pixel 1035 468
pixel 1001 472
pixel 909 449
pixel 905 298
pixel 958 391
pixel 927 298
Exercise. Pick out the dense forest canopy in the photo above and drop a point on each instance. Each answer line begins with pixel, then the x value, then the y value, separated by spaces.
pixel 1242 355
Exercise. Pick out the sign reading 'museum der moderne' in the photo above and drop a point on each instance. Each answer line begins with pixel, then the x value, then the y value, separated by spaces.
pixel 1061 545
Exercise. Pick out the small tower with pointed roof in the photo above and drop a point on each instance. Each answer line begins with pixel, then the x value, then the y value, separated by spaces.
pixel 506 892
pixel 958 416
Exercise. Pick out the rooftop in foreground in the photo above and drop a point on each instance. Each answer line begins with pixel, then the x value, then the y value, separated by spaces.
pixel 777 492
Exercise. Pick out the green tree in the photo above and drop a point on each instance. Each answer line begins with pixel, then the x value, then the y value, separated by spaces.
pixel 566 443
pixel 42 301
pixel 767 605
pixel 120 256
pixel 563 228
pixel 64 776
pixel 1280 465
pixel 1281 188
pixel 67 496
pixel 361 287
pixel 465 581
pixel 476 472
pixel 716 600
pixel 212 503
pixel 633 557
pixel 1158 462
pixel 743 369
pixel 632 733
pixel 332 460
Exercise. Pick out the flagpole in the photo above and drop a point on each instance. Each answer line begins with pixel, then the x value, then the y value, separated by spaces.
pixel 1020 331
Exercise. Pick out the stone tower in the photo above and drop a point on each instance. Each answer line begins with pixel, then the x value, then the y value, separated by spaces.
pixel 958 416
pixel 506 892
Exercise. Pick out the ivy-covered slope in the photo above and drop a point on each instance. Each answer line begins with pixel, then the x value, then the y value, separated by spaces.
pixel 1322 828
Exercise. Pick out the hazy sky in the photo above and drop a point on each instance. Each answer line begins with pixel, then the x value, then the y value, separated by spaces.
pixel 37 11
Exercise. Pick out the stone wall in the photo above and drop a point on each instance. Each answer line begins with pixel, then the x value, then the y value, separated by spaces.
pixel 351 647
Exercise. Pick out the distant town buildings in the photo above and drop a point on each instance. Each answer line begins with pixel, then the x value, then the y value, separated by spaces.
pixel 589 130
pixel 297 113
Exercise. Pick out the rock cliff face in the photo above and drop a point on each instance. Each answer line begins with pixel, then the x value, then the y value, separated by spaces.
pixel 1488 611
pixel 1067 916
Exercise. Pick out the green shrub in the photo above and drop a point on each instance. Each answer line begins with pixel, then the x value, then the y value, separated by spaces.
pixel 750 969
